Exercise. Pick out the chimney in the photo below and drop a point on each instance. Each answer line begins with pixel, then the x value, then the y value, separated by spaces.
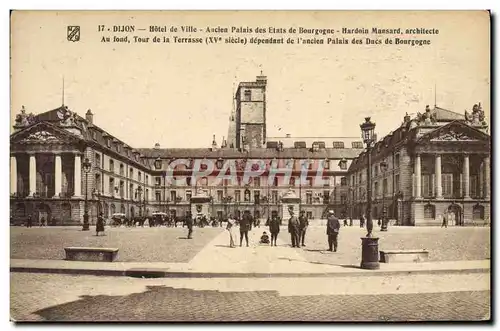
pixel 157 146
pixel 288 135
pixel 407 118
pixel 89 117
pixel 214 143
pixel 224 142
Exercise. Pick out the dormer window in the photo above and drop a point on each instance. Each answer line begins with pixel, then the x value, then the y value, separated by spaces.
pixel 219 163
pixel 108 142
pixel 158 163
pixel 343 164
pixel 94 135
pixel 327 164
pixel 338 144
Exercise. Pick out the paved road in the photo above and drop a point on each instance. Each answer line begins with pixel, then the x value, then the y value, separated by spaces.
pixel 135 244
pixel 91 298
pixel 168 245
pixel 451 244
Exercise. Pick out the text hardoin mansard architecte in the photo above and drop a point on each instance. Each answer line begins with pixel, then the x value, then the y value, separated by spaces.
pixel 437 161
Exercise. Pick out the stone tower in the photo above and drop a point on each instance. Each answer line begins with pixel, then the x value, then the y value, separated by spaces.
pixel 250 115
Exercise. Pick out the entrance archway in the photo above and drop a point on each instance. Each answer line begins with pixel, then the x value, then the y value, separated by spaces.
pixel 44 211
pixel 456 210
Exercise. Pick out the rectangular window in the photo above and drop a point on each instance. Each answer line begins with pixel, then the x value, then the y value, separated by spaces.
pixel 343 165
pixel 248 95
pixel 274 196
pixel 131 173
pixel 256 197
pixel 343 199
pixel 122 171
pixel 98 160
pixel 327 164
pixel 220 195
pixel 188 196
pixel 396 160
pixel 237 196
pixel 447 183
pixel 112 186
pixel 108 142
pixel 158 195
pixel 343 181
pixel 326 197
pixel 146 197
pixel 122 189
pixel 139 175
pixel 157 181
pixel 426 186
pixel 473 187
pixel 396 183
pixel 173 196
pixel 309 198
pixel 98 182
pixel 111 166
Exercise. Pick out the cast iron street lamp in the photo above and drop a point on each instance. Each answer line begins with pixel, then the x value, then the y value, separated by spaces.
pixel 369 252
pixel 86 167
pixel 383 168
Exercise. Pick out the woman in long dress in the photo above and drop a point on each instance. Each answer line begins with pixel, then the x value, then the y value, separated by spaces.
pixel 229 228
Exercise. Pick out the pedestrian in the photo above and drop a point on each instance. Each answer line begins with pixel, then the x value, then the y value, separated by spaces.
pixel 99 225
pixel 362 221
pixel 30 222
pixel 294 229
pixel 274 228
pixel 229 228
pixel 264 239
pixel 350 221
pixel 189 224
pixel 379 222
pixel 303 223
pixel 332 230
pixel 345 222
pixel 245 226
pixel 42 221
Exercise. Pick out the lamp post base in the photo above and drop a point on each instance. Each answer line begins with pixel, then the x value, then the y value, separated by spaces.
pixel 86 225
pixel 369 253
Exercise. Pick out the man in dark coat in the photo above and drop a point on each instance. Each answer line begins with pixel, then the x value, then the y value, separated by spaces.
pixel 332 230
pixel 245 226
pixel 304 223
pixel 274 228
pixel 189 224
pixel 30 222
pixel 294 229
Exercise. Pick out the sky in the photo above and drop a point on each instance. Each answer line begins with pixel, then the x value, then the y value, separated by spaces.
pixel 179 95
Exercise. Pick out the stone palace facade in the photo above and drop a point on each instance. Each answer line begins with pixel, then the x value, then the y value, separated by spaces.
pixel 439 160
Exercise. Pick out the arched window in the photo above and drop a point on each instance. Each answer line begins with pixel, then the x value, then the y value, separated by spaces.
pixel 478 212
pixel 429 212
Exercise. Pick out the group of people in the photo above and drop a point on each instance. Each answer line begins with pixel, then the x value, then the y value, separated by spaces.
pixel 297 228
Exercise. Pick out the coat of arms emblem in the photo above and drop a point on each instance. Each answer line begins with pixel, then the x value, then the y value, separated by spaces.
pixel 73 33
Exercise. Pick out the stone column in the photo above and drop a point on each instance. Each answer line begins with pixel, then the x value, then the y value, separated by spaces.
pixel 466 177
pixel 13 174
pixel 32 174
pixel 487 192
pixel 438 180
pixel 78 176
pixel 418 177
pixel 57 176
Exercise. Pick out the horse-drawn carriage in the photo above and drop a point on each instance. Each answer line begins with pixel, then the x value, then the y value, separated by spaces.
pixel 118 219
